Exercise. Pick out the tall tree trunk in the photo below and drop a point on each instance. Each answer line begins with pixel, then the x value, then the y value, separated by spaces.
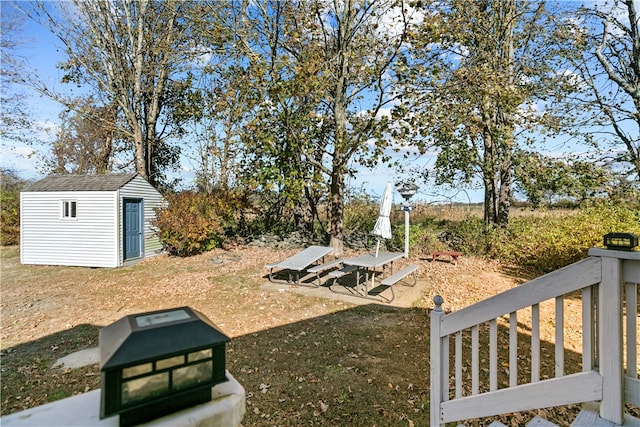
pixel 504 117
pixel 103 163
pixel 489 167
pixel 139 151
pixel 104 158
pixel 504 198
pixel 150 153
pixel 336 212
pixel 336 186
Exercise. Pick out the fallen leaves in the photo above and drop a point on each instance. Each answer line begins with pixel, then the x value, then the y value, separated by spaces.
pixel 302 360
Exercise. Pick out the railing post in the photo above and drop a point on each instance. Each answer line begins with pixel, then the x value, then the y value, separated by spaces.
pixel 610 340
pixel 436 362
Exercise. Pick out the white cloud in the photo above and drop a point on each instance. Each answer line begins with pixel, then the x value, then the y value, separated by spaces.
pixel 45 131
pixel 23 160
pixel 394 20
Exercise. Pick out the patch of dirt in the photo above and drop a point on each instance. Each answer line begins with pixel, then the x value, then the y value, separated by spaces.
pixel 302 358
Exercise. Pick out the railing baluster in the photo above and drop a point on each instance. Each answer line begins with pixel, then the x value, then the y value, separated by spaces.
pixel 493 355
pixel 610 340
pixel 588 327
pixel 513 349
pixel 475 360
pixel 459 378
pixel 437 362
pixel 631 290
pixel 535 343
pixel 445 369
pixel 559 336
pixel 609 344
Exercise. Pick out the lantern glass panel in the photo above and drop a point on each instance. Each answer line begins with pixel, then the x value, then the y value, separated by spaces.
pixel 192 375
pixel 619 241
pixel 199 355
pixel 134 371
pixel 170 362
pixel 145 387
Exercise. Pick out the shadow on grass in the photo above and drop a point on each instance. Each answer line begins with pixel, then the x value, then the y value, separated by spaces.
pixel 288 277
pixel 364 366
pixel 367 365
pixel 29 378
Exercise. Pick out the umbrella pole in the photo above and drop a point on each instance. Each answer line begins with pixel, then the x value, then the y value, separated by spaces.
pixel 377 248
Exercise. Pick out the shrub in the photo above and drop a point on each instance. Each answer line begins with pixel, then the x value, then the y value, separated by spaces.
pixel 542 242
pixel 194 222
pixel 556 240
pixel 423 238
pixel 10 186
pixel 10 226
pixel 471 236
pixel 360 214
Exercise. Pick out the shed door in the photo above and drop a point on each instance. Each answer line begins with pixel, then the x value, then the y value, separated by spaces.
pixel 132 228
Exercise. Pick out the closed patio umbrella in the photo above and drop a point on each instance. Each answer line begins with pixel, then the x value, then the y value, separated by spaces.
pixel 383 224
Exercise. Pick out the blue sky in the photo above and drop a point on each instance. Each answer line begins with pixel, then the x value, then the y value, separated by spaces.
pixel 42 52
pixel 39 50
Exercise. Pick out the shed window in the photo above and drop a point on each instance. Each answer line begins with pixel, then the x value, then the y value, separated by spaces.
pixel 69 209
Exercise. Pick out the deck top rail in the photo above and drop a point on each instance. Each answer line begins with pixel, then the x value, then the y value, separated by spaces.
pixel 604 285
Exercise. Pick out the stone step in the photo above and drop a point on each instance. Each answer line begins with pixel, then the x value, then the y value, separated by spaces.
pixel 590 416
pixel 536 422
pixel 540 422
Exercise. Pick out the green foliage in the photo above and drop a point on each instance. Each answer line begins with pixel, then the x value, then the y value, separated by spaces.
pixel 423 237
pixel 544 242
pixel 539 240
pixel 10 186
pixel 193 222
pixel 554 241
pixel 267 212
pixel 471 236
pixel 360 213
pixel 475 99
pixel 545 180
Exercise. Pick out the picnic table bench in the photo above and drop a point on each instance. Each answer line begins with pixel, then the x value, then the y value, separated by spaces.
pixel 336 274
pixel 367 263
pixel 324 267
pixel 397 277
pixel 299 263
pixel 453 254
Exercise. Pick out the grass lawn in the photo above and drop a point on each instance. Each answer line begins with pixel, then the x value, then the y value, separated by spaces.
pixel 302 360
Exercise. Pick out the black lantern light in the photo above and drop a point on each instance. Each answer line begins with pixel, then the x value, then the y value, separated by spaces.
pixel 159 362
pixel 621 241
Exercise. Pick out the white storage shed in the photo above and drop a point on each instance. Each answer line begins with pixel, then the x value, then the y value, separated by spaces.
pixel 89 220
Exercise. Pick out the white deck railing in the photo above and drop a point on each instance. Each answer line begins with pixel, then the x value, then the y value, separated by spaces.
pixel 490 379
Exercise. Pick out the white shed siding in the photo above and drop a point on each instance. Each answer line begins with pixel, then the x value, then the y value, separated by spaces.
pixel 139 188
pixel 88 240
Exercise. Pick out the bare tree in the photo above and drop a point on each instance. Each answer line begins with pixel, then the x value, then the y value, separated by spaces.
pixel 126 51
pixel 84 145
pixel 609 71
pixel 14 118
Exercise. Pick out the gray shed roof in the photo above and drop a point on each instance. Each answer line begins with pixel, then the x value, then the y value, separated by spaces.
pixel 111 182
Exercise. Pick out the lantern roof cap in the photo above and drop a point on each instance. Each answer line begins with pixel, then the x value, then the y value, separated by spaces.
pixel 139 338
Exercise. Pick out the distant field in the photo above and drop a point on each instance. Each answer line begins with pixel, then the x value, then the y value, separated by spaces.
pixel 458 212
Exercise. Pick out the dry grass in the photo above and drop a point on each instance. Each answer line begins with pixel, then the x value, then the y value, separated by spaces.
pixel 459 212
pixel 301 359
